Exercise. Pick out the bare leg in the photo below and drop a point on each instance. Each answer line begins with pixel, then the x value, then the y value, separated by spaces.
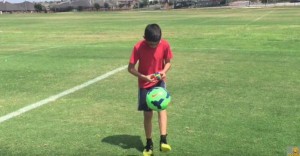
pixel 148 123
pixel 163 120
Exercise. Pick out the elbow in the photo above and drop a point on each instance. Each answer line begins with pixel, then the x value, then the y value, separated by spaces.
pixel 129 68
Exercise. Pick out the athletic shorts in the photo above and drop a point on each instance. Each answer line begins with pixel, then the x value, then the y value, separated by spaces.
pixel 142 105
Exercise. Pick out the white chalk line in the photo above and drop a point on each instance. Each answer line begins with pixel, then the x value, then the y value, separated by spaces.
pixel 259 18
pixel 29 52
pixel 57 96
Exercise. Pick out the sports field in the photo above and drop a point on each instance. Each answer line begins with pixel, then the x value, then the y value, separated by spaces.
pixel 235 82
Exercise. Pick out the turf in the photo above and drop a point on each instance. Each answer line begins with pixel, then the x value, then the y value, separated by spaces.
pixel 234 82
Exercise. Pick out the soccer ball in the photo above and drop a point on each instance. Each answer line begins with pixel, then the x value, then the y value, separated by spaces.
pixel 158 98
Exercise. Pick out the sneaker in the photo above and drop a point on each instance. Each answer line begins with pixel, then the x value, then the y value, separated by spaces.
pixel 164 147
pixel 148 150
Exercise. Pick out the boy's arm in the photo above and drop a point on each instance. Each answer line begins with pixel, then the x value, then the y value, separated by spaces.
pixel 133 71
pixel 166 68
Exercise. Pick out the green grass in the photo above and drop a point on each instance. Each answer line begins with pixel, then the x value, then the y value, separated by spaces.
pixel 234 82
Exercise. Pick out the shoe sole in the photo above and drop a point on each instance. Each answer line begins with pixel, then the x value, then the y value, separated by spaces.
pixel 165 148
pixel 149 153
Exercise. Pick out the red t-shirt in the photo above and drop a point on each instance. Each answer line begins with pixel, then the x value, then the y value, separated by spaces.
pixel 151 60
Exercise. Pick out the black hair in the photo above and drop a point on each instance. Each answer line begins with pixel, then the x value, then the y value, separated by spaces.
pixel 152 33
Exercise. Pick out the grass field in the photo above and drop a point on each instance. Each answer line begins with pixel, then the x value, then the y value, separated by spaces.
pixel 235 82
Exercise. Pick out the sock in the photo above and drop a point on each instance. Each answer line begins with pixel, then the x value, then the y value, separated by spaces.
pixel 149 141
pixel 163 139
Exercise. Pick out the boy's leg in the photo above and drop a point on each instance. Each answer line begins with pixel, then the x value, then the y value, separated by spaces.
pixel 163 121
pixel 148 123
pixel 162 115
pixel 148 150
pixel 148 113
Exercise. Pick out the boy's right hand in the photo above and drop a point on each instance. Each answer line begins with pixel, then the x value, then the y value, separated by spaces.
pixel 149 78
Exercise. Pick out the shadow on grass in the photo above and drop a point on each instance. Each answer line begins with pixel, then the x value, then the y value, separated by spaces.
pixel 125 141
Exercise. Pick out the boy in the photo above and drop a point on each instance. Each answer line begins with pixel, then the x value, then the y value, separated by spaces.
pixel 154 55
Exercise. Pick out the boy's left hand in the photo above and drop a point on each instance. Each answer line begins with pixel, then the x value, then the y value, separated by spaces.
pixel 158 76
pixel 162 74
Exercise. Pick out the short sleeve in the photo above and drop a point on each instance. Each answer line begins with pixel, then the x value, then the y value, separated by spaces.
pixel 134 56
pixel 168 51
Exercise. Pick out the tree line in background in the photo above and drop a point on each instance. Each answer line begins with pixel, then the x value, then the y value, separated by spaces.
pixel 146 4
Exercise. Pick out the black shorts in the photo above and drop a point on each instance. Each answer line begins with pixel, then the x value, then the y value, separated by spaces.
pixel 142 105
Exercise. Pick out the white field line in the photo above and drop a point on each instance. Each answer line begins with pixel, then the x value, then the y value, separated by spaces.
pixel 57 96
pixel 30 52
pixel 259 18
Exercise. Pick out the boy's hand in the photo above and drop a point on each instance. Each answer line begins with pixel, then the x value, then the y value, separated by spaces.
pixel 148 78
pixel 162 74
pixel 156 76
